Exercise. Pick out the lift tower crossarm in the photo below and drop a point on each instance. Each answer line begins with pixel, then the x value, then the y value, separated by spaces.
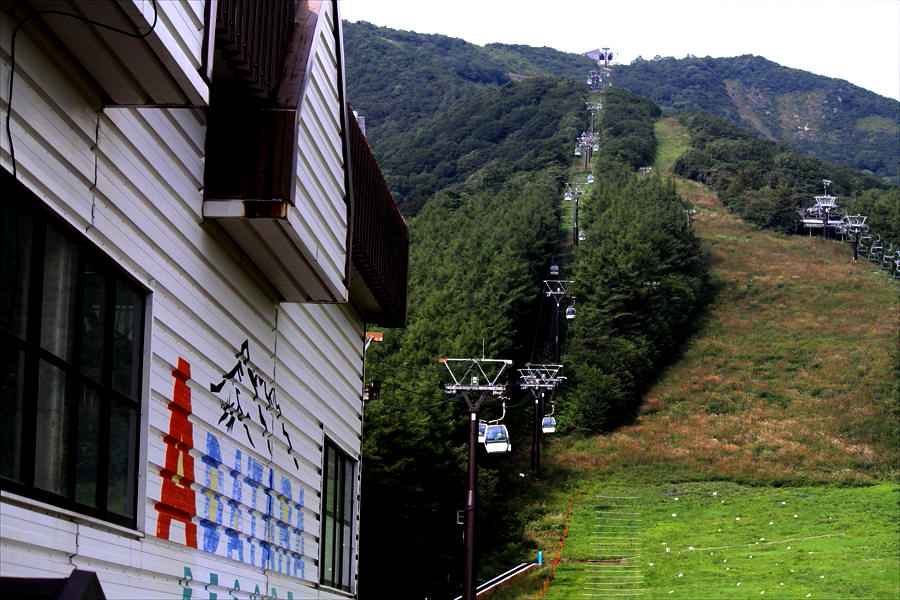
pixel 557 287
pixel 474 370
pixel 540 376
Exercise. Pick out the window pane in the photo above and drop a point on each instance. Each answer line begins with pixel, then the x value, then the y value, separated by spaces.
pixel 328 521
pixel 15 266
pixel 348 492
pixel 345 558
pixel 330 495
pixel 337 519
pixel 12 376
pixel 88 439
pixel 328 551
pixel 52 430
pixel 127 339
pixel 92 320
pixel 58 308
pixel 346 519
pixel 122 434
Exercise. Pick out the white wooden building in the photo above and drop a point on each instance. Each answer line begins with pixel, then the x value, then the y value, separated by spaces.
pixel 194 238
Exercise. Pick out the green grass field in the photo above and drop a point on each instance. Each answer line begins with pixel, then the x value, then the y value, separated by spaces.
pixel 765 459
pixel 721 540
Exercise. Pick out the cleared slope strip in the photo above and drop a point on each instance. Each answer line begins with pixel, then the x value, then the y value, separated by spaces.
pixel 784 403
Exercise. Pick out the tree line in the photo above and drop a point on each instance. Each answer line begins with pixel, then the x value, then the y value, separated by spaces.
pixel 766 183
pixel 640 275
pixel 475 263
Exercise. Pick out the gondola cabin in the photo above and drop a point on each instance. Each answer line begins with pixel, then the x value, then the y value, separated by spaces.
pixel 591 177
pixel 577 151
pixel 482 428
pixel 570 312
pixel 595 147
pixel 496 439
pixel 548 424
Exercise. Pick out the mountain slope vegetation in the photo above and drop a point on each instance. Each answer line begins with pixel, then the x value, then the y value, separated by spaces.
pixel 478 256
pixel 406 84
pixel 519 127
pixel 480 179
pixel 773 442
pixel 830 119
pixel 766 183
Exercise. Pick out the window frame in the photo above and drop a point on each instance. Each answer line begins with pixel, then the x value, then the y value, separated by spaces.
pixel 110 403
pixel 336 542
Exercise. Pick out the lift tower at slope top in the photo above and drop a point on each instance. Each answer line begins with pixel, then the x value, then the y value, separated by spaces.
pixel 473 375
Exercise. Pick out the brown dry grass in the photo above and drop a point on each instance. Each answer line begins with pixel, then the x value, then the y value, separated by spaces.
pixel 788 380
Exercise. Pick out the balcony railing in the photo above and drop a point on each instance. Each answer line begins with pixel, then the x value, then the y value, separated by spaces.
pixel 253 37
pixel 380 248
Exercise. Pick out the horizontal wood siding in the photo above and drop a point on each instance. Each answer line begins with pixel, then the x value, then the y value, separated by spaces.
pixel 130 180
pixel 320 197
pixel 179 31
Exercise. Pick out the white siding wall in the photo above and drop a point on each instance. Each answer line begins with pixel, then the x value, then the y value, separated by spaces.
pixel 131 180
pixel 320 161
pixel 179 30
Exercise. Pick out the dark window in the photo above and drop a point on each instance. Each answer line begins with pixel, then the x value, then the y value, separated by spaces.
pixel 71 334
pixel 337 519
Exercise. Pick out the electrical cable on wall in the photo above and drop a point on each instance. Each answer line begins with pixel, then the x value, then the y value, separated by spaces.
pixel 12 57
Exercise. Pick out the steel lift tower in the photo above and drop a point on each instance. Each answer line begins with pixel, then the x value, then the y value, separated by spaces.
pixel 538 377
pixel 473 375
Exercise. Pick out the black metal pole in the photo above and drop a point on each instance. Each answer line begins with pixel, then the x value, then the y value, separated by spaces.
pixel 536 437
pixel 469 528
pixel 469 519
pixel 575 220
pixel 556 340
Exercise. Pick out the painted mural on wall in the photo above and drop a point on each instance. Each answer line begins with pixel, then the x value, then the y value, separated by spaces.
pixel 229 503
pixel 263 397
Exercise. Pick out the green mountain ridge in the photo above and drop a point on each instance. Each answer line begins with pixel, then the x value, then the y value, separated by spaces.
pixel 406 84
pixel 823 117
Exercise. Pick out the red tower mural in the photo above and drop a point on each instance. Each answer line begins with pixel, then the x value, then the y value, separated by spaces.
pixel 177 498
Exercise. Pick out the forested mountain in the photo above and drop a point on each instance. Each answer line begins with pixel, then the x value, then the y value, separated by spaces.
pixel 521 126
pixel 403 82
pixel 830 119
pixel 416 89
pixel 479 252
pixel 476 143
pixel 767 182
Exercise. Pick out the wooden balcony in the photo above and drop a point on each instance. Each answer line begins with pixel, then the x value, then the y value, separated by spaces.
pixel 289 175
pixel 287 215
pixel 380 239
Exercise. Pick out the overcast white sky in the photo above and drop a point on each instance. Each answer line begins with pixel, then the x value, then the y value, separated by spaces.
pixel 856 40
